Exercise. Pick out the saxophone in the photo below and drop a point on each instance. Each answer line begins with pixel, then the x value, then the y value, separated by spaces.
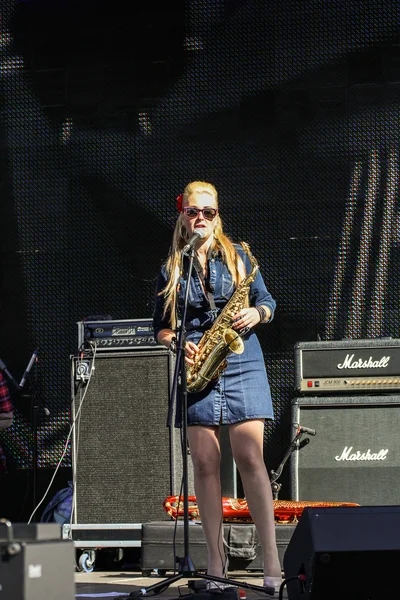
pixel 221 340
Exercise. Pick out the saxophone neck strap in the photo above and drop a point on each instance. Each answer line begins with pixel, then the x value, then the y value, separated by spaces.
pixel 205 283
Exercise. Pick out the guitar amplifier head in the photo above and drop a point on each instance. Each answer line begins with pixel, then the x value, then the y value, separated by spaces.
pixel 113 335
pixel 347 366
pixel 354 455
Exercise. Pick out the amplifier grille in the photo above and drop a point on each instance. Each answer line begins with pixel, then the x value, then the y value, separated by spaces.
pixel 122 464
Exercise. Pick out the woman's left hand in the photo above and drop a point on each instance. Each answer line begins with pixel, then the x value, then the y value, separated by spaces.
pixel 245 319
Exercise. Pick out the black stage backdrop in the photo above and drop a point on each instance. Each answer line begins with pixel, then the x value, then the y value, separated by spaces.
pixel 290 108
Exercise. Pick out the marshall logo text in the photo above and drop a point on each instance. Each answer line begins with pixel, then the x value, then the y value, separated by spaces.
pixel 358 363
pixel 349 455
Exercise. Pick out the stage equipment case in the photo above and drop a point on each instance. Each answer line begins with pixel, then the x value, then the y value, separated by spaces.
pixel 158 550
pixel 90 538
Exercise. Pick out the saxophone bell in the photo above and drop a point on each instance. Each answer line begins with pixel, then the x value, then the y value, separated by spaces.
pixel 233 341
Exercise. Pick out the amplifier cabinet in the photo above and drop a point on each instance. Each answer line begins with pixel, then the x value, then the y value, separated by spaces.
pixel 347 366
pixel 125 459
pixel 355 454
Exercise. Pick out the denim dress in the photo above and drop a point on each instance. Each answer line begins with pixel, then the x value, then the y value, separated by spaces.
pixel 242 391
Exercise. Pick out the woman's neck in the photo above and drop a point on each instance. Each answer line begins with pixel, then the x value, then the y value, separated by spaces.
pixel 202 249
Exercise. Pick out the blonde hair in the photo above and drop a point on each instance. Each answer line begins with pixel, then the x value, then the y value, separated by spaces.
pixel 180 237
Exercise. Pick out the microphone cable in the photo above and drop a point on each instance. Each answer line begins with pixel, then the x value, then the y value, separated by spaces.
pixel 72 427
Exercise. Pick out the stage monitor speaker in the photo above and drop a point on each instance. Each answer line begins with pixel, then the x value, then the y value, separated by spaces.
pixel 126 460
pixel 344 554
pixel 355 454
pixel 35 563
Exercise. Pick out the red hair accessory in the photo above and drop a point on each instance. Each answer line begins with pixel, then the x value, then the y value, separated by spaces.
pixel 179 202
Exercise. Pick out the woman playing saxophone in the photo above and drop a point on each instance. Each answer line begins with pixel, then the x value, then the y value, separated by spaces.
pixel 224 278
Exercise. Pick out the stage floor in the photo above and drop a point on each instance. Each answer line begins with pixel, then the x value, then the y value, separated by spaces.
pixel 109 584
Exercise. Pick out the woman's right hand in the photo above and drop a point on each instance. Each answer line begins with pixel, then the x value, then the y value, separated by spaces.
pixel 190 352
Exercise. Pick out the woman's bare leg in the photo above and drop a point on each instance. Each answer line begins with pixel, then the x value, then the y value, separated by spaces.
pixel 204 443
pixel 247 440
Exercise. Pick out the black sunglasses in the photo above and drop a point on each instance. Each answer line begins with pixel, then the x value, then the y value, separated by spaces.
pixel 208 213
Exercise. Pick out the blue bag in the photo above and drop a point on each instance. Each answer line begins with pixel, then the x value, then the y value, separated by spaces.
pixel 60 507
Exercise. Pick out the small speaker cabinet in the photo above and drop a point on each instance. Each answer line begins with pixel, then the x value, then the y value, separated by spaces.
pixel 35 562
pixel 355 454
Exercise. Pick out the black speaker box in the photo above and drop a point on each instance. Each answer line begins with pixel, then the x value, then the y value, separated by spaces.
pixel 126 460
pixel 355 454
pixel 344 554
pixel 35 563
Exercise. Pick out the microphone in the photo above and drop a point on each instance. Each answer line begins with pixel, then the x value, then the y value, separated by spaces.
pixel 198 234
pixel 28 369
pixel 7 372
pixel 307 430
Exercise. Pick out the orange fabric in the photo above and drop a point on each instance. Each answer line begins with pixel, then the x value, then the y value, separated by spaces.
pixel 236 509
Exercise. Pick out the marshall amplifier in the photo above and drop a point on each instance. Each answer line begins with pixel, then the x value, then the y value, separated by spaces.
pixel 127 334
pixel 353 366
pixel 354 455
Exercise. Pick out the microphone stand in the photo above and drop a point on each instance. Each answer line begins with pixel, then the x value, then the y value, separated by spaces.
pixel 186 566
pixel 295 444
pixel 36 406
